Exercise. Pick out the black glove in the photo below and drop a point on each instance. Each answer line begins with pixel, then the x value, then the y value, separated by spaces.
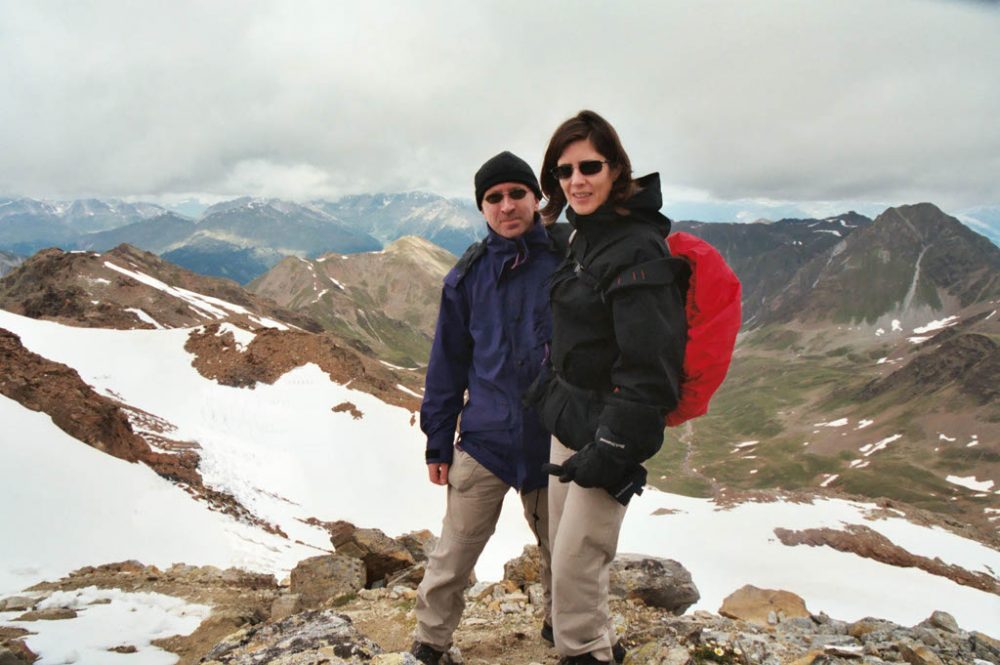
pixel 603 463
pixel 591 467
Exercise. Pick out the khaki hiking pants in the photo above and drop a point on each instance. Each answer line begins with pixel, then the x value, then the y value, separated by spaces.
pixel 583 532
pixel 475 497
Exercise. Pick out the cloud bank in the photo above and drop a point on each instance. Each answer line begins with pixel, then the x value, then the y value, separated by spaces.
pixel 886 100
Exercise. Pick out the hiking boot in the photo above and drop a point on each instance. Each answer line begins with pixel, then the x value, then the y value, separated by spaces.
pixel 582 659
pixel 547 634
pixel 427 654
pixel 617 652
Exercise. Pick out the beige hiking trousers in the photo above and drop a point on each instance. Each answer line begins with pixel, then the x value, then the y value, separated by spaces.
pixel 583 530
pixel 475 497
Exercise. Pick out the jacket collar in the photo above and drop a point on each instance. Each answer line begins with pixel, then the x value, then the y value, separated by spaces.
pixel 644 205
pixel 508 253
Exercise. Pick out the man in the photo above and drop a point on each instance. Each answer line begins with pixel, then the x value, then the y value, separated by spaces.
pixel 492 337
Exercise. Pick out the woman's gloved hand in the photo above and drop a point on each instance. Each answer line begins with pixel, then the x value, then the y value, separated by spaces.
pixel 606 463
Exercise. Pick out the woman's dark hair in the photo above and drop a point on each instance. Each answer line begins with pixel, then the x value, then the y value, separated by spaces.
pixel 584 125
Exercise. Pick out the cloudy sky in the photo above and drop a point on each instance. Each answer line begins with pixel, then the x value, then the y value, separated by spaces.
pixel 816 104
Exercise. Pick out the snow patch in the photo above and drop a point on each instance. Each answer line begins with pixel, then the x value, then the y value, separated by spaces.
pixel 896 327
pixel 144 317
pixel 108 618
pixel 204 305
pixel 408 391
pixel 882 360
pixel 873 448
pixel 833 423
pixel 746 444
pixel 937 325
pixel 829 479
pixel 863 423
pixel 970 482
pixel 943 437
pixel 391 366
pixel 917 340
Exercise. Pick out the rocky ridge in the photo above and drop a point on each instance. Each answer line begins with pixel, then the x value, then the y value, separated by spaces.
pixel 335 609
pixel 385 300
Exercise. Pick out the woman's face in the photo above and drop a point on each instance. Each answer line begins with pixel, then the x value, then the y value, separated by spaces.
pixel 585 193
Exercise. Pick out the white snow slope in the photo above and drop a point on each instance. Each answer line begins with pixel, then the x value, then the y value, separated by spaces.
pixel 283 452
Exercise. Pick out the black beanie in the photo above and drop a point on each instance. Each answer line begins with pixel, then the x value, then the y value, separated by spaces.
pixel 505 167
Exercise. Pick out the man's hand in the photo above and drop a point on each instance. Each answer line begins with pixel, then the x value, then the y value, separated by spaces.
pixel 438 473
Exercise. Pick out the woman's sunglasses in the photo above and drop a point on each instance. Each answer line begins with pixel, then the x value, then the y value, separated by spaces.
pixel 497 197
pixel 587 167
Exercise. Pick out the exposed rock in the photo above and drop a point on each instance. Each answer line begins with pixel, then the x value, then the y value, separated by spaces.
pixel 871 544
pixel 525 569
pixel 12 655
pixel 944 621
pixel 752 604
pixel 419 543
pixel 662 583
pixel 381 555
pixel 322 578
pixel 408 577
pixel 918 654
pixel 273 353
pixel 286 605
pixel 49 614
pixel 310 637
pixel 16 604
pixel 350 408
pixel 42 385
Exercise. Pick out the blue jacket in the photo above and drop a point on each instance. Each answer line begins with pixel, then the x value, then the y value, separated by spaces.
pixel 492 338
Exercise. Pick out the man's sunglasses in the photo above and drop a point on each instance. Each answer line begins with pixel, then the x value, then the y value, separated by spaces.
pixel 587 167
pixel 514 194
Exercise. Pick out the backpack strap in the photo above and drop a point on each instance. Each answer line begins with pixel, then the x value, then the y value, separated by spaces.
pixel 472 254
pixel 560 235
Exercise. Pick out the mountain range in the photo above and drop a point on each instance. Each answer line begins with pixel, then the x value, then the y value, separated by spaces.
pixel 189 418
pixel 240 239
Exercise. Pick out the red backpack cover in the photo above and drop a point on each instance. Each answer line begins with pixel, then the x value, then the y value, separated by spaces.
pixel 714 314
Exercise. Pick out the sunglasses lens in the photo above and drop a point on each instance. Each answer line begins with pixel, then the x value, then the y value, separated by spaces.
pixel 497 197
pixel 563 171
pixel 591 167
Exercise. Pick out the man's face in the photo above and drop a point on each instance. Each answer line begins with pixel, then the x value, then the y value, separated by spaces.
pixel 509 209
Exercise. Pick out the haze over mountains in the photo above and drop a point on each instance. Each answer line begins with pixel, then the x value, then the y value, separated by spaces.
pixel 239 239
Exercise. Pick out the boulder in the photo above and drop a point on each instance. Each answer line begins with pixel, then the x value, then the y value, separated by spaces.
pixel 321 578
pixel 16 652
pixel 944 621
pixel 525 569
pixel 755 605
pixel 662 583
pixel 919 654
pixel 16 604
pixel 382 556
pixel 419 543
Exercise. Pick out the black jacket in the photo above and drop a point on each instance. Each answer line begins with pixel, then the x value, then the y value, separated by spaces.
pixel 619 327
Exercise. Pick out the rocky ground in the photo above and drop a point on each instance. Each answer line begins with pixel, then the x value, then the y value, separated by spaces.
pixel 357 606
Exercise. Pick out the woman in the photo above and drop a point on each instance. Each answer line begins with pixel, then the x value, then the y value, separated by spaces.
pixel 617 348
